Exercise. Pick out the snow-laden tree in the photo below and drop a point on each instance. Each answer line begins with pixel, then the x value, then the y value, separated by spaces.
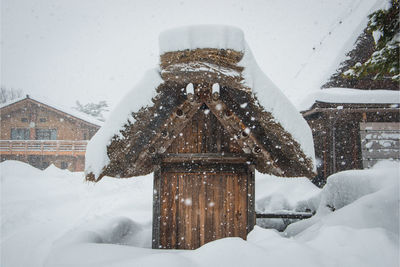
pixel 7 95
pixel 93 109
pixel 373 63
pixel 384 62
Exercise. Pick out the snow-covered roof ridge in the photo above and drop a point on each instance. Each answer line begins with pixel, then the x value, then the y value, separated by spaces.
pixel 201 36
pixel 352 96
pixel 61 108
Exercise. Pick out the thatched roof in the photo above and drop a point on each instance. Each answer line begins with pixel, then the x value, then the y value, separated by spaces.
pixel 137 147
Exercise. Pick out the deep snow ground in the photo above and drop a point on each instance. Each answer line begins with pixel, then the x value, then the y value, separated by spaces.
pixel 53 218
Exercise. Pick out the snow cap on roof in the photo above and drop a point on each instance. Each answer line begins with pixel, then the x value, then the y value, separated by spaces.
pixel 352 96
pixel 69 111
pixel 201 36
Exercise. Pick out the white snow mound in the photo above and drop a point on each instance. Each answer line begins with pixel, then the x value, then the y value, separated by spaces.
pixel 201 36
pixel 54 219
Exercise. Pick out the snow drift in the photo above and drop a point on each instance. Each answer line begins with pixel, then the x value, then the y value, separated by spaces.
pixel 54 219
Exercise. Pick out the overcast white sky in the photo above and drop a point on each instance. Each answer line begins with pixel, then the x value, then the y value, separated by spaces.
pixel 91 50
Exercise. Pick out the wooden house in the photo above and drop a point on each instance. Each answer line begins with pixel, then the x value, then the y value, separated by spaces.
pixel 354 129
pixel 203 136
pixel 355 123
pixel 41 134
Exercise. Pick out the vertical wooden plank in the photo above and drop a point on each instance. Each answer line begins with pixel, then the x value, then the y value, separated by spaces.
pixel 230 210
pixel 168 211
pixel 236 201
pixel 222 205
pixel 218 136
pixel 163 211
pixel 243 207
pixel 203 132
pixel 156 208
pixel 209 218
pixel 181 211
pixel 215 205
pixel 194 206
pixel 202 208
pixel 226 207
pixel 210 207
pixel 173 210
pixel 195 135
pixel 188 211
pixel 251 219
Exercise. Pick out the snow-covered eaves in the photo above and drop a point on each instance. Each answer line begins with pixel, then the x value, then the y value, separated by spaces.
pixel 67 111
pixel 352 96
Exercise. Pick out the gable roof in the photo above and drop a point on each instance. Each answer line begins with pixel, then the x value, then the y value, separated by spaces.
pixel 56 108
pixel 122 148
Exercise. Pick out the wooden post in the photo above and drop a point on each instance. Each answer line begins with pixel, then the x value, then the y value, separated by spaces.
pixel 251 213
pixel 156 208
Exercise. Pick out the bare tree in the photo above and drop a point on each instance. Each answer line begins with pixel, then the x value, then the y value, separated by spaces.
pixel 7 95
pixel 93 109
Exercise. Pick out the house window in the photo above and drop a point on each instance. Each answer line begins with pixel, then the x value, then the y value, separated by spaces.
pixel 42 119
pixel 46 134
pixel 20 134
pixel 379 141
pixel 24 119
pixel 64 165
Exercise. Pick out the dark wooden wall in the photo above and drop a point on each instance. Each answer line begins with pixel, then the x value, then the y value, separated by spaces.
pixel 204 134
pixel 197 201
pixel 336 133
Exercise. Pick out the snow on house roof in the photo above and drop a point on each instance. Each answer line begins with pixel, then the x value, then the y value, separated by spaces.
pixel 68 111
pixel 352 96
pixel 201 36
pixel 188 38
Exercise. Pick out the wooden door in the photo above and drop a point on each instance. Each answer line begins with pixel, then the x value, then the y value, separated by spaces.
pixel 196 208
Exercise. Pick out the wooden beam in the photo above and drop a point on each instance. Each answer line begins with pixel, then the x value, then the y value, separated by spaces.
pixel 205 157
pixel 289 215
pixel 245 138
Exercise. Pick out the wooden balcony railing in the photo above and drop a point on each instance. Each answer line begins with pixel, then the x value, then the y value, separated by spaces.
pixel 43 147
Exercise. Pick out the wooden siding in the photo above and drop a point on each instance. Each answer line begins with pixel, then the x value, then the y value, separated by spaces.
pixel 204 134
pixel 197 206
